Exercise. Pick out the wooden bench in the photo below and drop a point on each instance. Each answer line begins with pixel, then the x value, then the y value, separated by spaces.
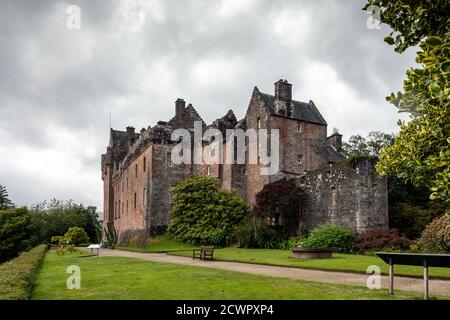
pixel 203 253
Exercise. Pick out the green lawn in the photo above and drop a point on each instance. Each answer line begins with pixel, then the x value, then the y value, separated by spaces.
pixel 125 278
pixel 162 244
pixel 344 262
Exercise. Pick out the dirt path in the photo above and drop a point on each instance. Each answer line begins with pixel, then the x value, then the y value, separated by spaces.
pixel 437 287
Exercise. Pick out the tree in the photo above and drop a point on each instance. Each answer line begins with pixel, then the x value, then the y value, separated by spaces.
pixel 369 146
pixel 279 202
pixel 203 213
pixel 15 229
pixel 55 217
pixel 421 151
pixel 5 203
pixel 411 20
pixel 76 236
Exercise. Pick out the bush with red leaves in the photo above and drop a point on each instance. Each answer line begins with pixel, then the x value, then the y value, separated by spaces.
pixel 279 202
pixel 379 239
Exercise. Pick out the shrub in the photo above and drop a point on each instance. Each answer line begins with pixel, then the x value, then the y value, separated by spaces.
pixel 76 236
pixel 18 275
pixel 111 236
pixel 330 236
pixel 15 229
pixel 279 202
pixel 387 239
pixel 203 213
pixel 436 236
pixel 410 219
pixel 256 233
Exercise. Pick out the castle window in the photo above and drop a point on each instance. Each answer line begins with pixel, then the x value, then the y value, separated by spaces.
pixel 144 197
pixel 299 126
pixel 244 171
pixel 127 206
pixel 119 209
pixel 123 184
pixel 135 198
pixel 300 159
pixel 115 210
pixel 145 163
pixel 123 212
pixel 135 170
pixel 258 123
pixel 208 169
pixel 169 160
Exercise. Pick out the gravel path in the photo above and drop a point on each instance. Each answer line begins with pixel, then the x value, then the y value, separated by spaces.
pixel 437 287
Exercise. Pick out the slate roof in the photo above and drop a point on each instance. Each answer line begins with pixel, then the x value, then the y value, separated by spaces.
pixel 334 155
pixel 298 110
pixel 118 137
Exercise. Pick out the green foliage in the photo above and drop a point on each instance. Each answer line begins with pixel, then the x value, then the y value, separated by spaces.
pixel 55 218
pixel 436 236
pixel 5 203
pixel 421 151
pixel 279 202
pixel 410 220
pixel 15 228
pixel 111 236
pixel 18 275
pixel 203 213
pixel 76 236
pixel 370 146
pixel 256 233
pixel 330 236
pixel 411 20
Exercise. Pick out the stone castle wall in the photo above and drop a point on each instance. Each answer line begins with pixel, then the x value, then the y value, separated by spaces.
pixel 352 196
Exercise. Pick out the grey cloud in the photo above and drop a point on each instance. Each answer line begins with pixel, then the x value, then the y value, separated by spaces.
pixel 58 86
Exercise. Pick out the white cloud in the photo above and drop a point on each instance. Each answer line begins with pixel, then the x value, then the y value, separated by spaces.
pixel 231 8
pixel 293 27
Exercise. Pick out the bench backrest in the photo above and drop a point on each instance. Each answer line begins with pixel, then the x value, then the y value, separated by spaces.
pixel 207 250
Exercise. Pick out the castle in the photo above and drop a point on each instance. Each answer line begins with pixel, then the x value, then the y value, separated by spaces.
pixel 138 172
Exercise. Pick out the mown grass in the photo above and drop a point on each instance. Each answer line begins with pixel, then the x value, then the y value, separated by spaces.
pixel 18 275
pixel 161 244
pixel 126 278
pixel 339 262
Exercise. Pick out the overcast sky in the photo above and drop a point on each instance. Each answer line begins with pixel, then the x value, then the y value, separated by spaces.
pixel 135 58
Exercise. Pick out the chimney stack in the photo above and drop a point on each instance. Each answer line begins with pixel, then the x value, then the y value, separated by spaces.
pixel 130 132
pixel 180 106
pixel 335 140
pixel 283 90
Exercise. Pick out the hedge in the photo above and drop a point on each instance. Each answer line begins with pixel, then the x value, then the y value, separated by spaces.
pixel 18 275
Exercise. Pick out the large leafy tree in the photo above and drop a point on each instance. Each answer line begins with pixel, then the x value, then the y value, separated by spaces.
pixel 15 230
pixel 279 203
pixel 421 151
pixel 5 202
pixel 203 213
